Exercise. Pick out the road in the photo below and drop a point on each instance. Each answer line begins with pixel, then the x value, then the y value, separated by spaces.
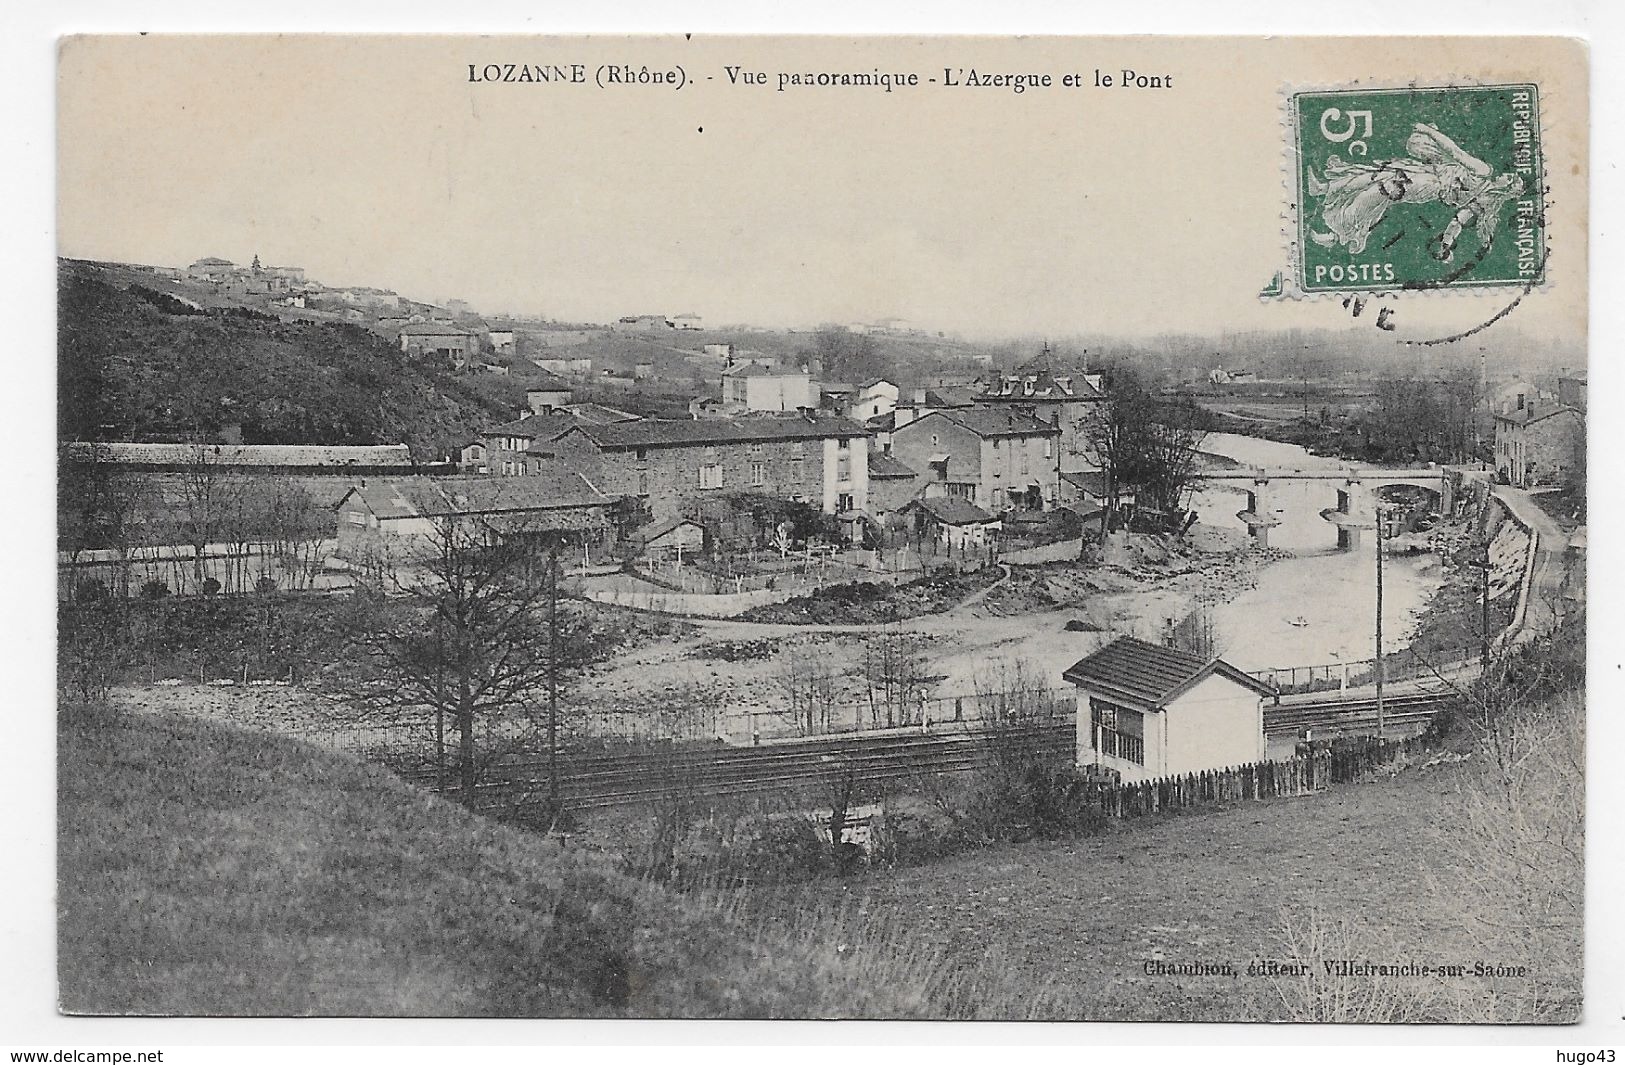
pixel 1546 605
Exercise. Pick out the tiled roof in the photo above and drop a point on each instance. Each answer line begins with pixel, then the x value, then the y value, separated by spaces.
pixel 949 396
pixel 986 422
pixel 1148 674
pixel 296 455
pixel 951 510
pixel 556 487
pixel 1528 415
pixel 598 414
pixel 545 380
pixel 652 432
pixel 1091 481
pixel 1040 385
pixel 884 466
pixel 532 426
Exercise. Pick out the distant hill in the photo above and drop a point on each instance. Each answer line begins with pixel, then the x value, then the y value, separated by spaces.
pixel 134 362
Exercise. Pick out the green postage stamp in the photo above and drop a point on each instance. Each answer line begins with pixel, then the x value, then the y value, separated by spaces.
pixel 1417 188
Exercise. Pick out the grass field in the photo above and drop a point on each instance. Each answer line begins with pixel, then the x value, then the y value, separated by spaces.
pixel 205 870
pixel 209 871
pixel 1359 872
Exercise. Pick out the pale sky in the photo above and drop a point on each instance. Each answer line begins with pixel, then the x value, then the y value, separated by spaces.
pixel 978 211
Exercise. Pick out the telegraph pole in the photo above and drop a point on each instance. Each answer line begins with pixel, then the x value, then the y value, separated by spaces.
pixel 553 682
pixel 1381 719
pixel 1484 607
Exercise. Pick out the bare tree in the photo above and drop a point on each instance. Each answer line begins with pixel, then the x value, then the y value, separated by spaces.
pixel 809 679
pixel 893 663
pixel 472 637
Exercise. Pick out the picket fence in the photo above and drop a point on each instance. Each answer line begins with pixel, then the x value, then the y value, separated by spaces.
pixel 1304 774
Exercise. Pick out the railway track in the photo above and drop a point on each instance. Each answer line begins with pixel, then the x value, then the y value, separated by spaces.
pixel 603 781
pixel 1339 716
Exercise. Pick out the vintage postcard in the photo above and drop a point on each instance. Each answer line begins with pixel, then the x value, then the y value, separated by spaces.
pixel 804 527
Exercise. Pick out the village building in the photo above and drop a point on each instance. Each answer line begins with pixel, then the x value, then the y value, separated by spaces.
pixel 641 323
pixel 873 399
pixel 454 345
pixel 688 321
pixel 674 465
pixel 1539 443
pixel 597 413
pixel 922 401
pixel 547 392
pixel 503 340
pixel 753 386
pixel 957 524
pixel 1069 401
pixel 213 269
pixel 891 485
pixel 996 459
pixel 506 450
pixel 1147 711
pixel 396 519
pixel 1571 390
pixel 567 367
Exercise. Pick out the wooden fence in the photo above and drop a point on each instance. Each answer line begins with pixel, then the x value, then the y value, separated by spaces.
pixel 1304 774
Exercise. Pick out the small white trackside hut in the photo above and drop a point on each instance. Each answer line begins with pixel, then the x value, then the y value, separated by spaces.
pixel 1146 711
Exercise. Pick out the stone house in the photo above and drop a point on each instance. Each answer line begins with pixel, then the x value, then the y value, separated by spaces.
pixel 506 449
pixel 891 485
pixel 673 465
pixel 997 459
pixel 752 386
pixel 1146 711
pixel 955 523
pixel 453 344
pixel 1068 401
pixel 396 519
pixel 1540 444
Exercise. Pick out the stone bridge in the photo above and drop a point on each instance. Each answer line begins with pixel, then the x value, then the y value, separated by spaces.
pixel 1356 495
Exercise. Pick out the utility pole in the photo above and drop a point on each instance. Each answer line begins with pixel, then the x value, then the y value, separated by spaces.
pixel 553 681
pixel 1484 607
pixel 1381 718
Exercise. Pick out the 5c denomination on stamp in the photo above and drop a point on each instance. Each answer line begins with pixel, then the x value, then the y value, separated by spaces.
pixel 1417 188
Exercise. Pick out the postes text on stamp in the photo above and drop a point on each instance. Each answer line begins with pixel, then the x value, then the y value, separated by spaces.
pixel 1417 188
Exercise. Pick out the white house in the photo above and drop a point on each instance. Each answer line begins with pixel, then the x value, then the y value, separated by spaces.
pixel 873 399
pixel 1147 711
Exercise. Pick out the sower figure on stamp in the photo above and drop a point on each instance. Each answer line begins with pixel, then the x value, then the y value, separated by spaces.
pixel 1356 196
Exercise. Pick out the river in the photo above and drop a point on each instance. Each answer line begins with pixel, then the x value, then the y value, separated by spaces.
pixel 1318 606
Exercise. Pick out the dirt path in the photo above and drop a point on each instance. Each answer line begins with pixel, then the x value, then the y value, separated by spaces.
pixel 1545 606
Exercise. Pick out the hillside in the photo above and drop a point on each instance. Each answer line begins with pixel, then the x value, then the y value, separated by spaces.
pixel 133 361
pixel 209 871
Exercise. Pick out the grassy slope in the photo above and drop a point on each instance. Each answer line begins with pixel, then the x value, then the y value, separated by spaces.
pixel 205 870
pixel 128 367
pixel 1070 925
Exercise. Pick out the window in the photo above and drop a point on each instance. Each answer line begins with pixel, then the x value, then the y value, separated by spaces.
pixel 643 484
pixel 1049 448
pixel 758 474
pixel 356 517
pixel 641 454
pixel 711 475
pixel 1118 731
pixel 844 503
pixel 995 443
pixel 934 441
